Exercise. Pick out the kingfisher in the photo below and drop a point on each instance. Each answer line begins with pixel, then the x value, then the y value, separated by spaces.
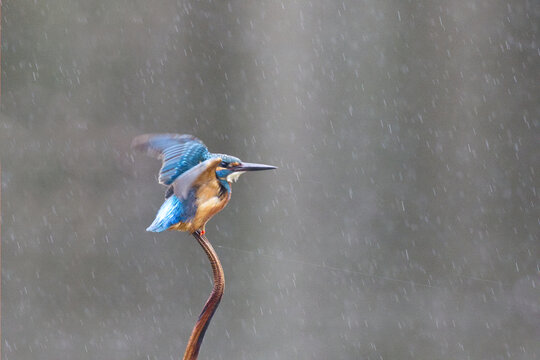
pixel 198 181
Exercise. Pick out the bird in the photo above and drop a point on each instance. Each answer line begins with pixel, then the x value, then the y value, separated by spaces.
pixel 198 187
pixel 198 181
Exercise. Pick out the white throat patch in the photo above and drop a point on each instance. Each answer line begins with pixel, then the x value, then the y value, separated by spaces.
pixel 234 176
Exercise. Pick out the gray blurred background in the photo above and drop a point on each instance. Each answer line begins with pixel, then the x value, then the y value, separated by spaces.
pixel 402 222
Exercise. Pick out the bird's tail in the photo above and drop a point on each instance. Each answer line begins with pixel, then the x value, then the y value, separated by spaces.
pixel 168 215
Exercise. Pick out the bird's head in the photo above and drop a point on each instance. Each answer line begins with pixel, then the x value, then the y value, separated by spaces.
pixel 231 168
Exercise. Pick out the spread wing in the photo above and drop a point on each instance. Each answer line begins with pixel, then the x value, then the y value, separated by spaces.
pixel 178 153
pixel 203 173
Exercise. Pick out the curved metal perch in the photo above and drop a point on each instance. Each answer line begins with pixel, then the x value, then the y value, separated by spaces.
pixel 197 335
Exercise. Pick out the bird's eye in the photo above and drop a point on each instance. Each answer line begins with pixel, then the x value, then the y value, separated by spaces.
pixel 223 164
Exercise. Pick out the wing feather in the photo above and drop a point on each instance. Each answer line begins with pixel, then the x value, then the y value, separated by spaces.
pixel 178 153
pixel 203 173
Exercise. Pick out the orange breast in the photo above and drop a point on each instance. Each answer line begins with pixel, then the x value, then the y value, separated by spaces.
pixel 210 200
pixel 209 203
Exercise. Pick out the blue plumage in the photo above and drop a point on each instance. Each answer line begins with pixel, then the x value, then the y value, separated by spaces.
pixel 179 158
pixel 178 153
pixel 168 215
pixel 174 211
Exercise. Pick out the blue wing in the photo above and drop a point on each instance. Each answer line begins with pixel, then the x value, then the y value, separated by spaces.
pixel 174 211
pixel 178 153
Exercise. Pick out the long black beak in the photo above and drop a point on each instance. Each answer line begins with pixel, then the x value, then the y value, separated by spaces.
pixel 252 167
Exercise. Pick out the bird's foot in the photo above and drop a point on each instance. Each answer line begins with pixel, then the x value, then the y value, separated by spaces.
pixel 200 231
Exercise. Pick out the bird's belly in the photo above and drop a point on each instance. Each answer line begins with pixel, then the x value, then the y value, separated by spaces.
pixel 210 207
pixel 182 226
pixel 207 207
